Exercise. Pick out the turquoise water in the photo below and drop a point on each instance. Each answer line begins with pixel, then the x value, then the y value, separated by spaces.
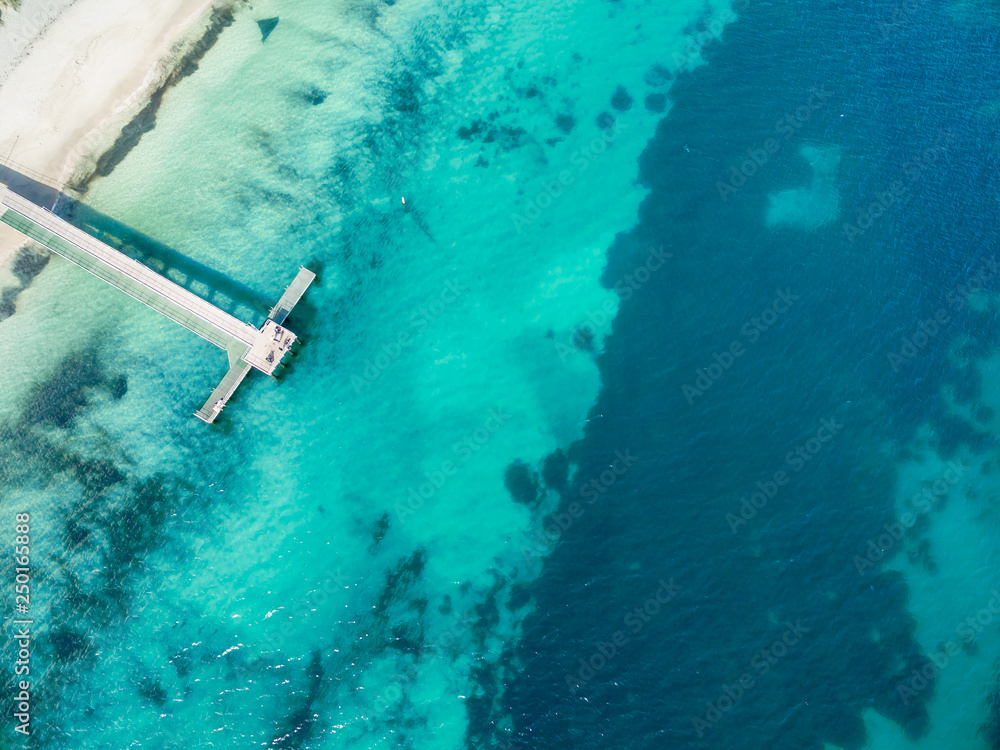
pixel 596 280
pixel 333 564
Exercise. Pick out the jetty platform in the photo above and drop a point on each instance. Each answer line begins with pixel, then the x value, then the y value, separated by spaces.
pixel 247 347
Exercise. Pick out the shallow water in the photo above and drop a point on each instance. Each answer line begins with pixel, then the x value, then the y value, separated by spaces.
pixel 336 562
pixel 608 436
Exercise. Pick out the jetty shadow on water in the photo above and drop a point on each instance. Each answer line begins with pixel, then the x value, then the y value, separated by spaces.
pixel 206 282
pixel 28 184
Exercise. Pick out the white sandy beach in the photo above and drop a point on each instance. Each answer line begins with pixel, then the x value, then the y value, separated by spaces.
pixel 73 72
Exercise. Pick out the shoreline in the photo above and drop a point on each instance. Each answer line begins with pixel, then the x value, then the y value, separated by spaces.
pixel 85 88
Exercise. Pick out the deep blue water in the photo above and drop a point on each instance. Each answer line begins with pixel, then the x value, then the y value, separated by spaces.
pixel 919 84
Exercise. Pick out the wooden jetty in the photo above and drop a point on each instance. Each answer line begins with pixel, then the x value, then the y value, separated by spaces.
pixel 247 347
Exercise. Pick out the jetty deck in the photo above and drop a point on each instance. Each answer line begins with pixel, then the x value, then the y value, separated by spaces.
pixel 248 347
pixel 292 295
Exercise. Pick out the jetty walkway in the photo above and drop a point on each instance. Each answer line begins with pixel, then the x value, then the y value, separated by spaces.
pixel 247 347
